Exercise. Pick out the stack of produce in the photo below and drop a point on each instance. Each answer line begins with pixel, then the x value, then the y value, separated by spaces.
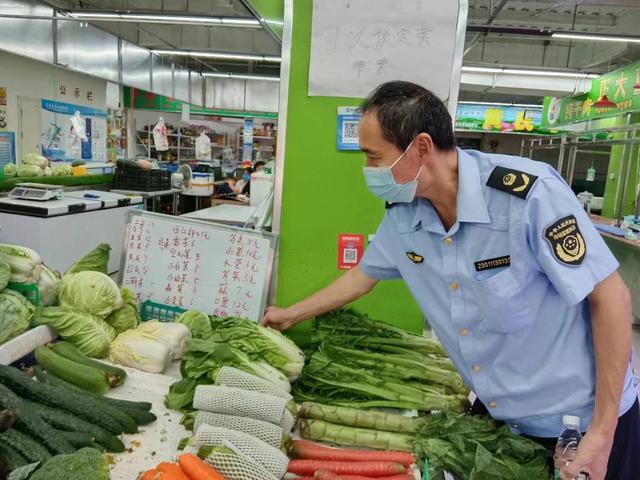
pixel 54 417
pixel 92 310
pixel 34 165
pixel 151 346
pixel 232 342
pixel 189 467
pixel 359 362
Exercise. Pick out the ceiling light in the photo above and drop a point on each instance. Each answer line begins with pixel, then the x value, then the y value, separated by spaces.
pixel 239 76
pixel 502 104
pixel 596 37
pixel 521 71
pixel 167 18
pixel 220 55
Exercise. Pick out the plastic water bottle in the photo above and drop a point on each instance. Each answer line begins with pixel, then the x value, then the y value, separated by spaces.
pixel 567 445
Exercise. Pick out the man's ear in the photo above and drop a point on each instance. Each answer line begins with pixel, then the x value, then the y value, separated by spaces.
pixel 425 146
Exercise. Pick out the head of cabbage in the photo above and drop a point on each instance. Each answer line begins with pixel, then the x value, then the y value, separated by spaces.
pixel 15 314
pixel 89 292
pixel 91 335
pixel 127 316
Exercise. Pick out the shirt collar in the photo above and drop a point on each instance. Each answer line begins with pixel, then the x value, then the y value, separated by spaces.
pixel 471 203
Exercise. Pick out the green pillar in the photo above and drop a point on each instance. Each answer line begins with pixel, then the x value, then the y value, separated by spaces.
pixel 324 194
pixel 610 205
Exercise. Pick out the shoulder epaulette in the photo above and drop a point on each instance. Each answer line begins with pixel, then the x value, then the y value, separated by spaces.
pixel 511 181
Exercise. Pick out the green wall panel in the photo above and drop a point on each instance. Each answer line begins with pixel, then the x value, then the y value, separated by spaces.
pixel 273 12
pixel 324 195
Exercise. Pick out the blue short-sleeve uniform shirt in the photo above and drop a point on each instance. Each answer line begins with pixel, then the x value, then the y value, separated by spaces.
pixel 505 289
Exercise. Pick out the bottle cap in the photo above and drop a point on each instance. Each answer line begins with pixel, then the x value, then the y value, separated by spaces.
pixel 571 421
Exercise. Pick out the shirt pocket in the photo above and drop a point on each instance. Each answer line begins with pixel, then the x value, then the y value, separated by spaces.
pixel 502 303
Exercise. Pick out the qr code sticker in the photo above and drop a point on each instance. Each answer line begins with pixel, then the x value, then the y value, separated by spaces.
pixel 350 132
pixel 350 255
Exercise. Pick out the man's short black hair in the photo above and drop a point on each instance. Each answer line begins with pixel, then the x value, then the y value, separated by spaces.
pixel 259 163
pixel 404 110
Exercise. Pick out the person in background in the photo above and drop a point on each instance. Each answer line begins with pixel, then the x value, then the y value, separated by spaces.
pixel 259 166
pixel 227 189
pixel 511 273
pixel 243 185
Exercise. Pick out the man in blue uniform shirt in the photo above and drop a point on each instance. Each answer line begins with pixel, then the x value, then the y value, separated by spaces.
pixel 510 273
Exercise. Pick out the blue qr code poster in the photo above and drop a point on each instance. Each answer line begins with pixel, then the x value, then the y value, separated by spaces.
pixel 348 128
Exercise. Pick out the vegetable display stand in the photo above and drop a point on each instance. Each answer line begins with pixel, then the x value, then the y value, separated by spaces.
pixel 142 180
pixel 158 311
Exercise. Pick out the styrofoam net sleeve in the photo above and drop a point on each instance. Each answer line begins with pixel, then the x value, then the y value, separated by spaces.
pixel 247 445
pixel 287 421
pixel 242 403
pixel 233 377
pixel 265 431
pixel 233 467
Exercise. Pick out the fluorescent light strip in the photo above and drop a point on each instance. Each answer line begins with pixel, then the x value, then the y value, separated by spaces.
pixel 502 104
pixel 239 76
pixel 164 18
pixel 220 55
pixel 520 71
pixel 596 38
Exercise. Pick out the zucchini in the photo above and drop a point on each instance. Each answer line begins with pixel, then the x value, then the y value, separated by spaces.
pixel 116 375
pixel 77 439
pixel 25 446
pixel 11 457
pixel 62 420
pixel 35 426
pixel 114 402
pixel 78 163
pixel 88 378
pixel 82 405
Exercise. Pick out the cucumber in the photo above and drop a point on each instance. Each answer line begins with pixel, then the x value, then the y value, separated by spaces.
pixel 81 404
pixel 61 420
pixel 88 378
pixel 77 439
pixel 116 375
pixel 35 426
pixel 124 405
pixel 140 416
pixel 11 457
pixel 25 446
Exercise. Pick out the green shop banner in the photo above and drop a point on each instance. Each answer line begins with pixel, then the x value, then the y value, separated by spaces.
pixel 611 95
pixel 478 117
pixel 150 101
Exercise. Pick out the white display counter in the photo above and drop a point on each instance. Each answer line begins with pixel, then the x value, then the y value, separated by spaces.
pixel 62 240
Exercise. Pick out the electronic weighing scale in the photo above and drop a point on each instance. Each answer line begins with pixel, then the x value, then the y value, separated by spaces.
pixel 40 200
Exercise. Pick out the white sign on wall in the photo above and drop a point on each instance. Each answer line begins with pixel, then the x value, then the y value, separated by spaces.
pixel 358 44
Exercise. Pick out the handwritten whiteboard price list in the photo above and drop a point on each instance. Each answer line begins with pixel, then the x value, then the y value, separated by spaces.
pixel 191 265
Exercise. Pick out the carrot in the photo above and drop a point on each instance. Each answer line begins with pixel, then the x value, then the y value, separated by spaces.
pixel 372 469
pixel 325 475
pixel 404 476
pixel 171 471
pixel 314 451
pixel 196 469
pixel 150 475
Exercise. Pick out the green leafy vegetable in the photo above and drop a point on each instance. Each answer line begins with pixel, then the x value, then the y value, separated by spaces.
pixel 96 260
pixel 35 159
pixel 48 286
pixel 5 274
pixel 140 350
pixel 89 292
pixel 15 315
pixel 25 263
pixel 89 334
pixel 260 343
pixel 198 322
pixel 10 170
pixel 30 171
pixel 85 464
pixel 127 316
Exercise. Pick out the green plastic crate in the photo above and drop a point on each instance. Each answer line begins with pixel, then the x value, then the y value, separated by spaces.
pixel 30 291
pixel 158 311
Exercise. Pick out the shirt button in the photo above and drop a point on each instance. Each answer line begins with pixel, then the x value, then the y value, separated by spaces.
pixel 448 241
pixel 492 405
pixel 476 368
pixel 464 332
pixel 453 286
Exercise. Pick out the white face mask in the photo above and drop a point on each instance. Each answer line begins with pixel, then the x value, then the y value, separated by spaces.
pixel 382 184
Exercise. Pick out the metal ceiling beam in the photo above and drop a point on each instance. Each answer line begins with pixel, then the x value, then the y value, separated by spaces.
pixel 492 17
pixel 246 4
